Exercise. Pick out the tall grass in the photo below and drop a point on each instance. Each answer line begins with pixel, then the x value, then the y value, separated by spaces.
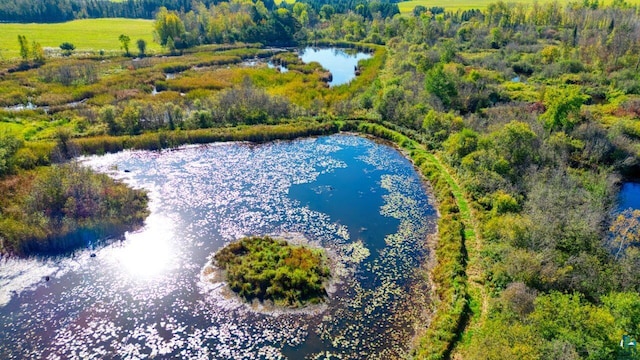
pixel 169 139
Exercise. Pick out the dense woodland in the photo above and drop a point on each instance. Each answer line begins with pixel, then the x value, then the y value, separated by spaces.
pixel 64 10
pixel 534 109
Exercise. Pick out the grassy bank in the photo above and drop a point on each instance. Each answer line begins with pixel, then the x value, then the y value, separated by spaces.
pixel 451 300
pixel 168 139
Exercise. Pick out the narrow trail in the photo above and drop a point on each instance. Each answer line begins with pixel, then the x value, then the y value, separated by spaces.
pixel 447 340
pixel 479 298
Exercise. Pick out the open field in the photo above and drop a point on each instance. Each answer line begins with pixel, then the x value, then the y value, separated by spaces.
pixel 86 35
pixel 407 6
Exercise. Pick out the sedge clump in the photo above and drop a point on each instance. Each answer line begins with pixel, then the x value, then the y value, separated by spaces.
pixel 264 268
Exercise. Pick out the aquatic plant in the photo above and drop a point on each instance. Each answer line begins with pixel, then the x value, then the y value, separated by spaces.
pixel 264 268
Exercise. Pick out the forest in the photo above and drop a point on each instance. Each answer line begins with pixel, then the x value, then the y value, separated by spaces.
pixel 525 118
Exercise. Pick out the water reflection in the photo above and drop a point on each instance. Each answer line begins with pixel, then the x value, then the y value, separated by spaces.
pixel 629 196
pixel 143 296
pixel 147 253
pixel 339 62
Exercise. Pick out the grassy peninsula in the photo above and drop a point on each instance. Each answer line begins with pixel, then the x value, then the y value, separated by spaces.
pixel 60 208
pixel 264 268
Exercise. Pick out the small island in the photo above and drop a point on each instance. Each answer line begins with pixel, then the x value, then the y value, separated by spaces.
pixel 269 269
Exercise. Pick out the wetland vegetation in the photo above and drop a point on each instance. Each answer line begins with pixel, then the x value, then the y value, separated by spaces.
pixel 523 117
pixel 265 268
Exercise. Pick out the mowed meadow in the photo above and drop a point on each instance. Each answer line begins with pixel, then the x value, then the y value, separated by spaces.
pixel 86 35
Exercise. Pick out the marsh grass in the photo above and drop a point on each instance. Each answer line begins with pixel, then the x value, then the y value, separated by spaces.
pixel 169 139
pixel 270 269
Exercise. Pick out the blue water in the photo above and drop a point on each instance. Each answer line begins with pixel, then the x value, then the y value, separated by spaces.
pixel 146 295
pixel 629 196
pixel 339 62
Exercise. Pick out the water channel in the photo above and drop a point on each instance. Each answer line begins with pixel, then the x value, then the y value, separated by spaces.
pixel 143 296
pixel 340 62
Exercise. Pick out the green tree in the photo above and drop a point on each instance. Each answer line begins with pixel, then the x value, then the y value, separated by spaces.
pixel 142 47
pixel 419 10
pixel 496 38
pixel 438 126
pixel 301 13
pixel 108 117
pixel 447 51
pixel 124 41
pixel 460 144
pixel 567 320
pixel 131 119
pixel 24 47
pixel 517 143
pixel 168 25
pixel 389 103
pixel 440 84
pixel 327 11
pixel 37 53
pixel 67 48
pixel 563 107
pixel 550 54
pixel 171 45
pixel 625 308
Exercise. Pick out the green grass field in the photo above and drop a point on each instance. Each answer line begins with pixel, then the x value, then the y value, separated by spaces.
pixel 407 6
pixel 86 35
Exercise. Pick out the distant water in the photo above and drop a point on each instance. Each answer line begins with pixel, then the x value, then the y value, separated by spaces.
pixel 339 62
pixel 142 296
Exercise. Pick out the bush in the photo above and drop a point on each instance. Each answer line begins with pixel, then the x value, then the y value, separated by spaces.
pixel 264 268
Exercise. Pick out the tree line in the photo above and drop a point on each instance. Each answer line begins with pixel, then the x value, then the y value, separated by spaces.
pixel 48 11
pixel 257 22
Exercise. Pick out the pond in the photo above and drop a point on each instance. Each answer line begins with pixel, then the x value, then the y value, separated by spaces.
pixel 629 196
pixel 341 63
pixel 143 295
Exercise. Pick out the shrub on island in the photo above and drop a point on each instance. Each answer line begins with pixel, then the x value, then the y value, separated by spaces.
pixel 264 268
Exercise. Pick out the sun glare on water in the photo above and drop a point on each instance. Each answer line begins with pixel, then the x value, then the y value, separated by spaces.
pixel 147 253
